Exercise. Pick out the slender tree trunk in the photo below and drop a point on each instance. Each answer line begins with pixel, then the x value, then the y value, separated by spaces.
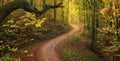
pixel 68 9
pixel 117 25
pixel 93 26
pixel 88 23
pixel 2 1
pixel 32 2
pixel 79 14
pixel 55 11
pixel 63 15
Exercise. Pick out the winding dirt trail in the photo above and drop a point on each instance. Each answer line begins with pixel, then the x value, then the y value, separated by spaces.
pixel 47 51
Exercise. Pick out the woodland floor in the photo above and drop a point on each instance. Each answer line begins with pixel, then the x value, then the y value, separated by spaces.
pixel 49 50
pixel 78 48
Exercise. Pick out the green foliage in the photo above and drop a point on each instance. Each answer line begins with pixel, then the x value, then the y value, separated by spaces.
pixel 70 52
pixel 15 31
pixel 75 39
pixel 106 27
pixel 110 33
pixel 24 28
pixel 30 55
pixel 102 23
pixel 8 58
pixel 17 34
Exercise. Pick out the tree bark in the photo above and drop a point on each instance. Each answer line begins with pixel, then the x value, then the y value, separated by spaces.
pixel 6 9
pixel 55 11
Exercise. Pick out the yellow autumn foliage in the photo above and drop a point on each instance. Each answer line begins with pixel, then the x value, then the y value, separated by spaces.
pixel 14 49
pixel 104 30
pixel 17 59
pixel 26 51
pixel 111 49
pixel 107 1
pixel 38 24
pixel 113 23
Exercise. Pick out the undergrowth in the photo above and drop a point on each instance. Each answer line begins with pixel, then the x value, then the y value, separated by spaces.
pixel 16 35
pixel 69 53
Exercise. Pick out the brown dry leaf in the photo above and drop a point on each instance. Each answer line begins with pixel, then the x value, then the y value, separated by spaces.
pixel 116 2
pixel 106 11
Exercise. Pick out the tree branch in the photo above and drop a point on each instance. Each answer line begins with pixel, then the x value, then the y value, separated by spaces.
pixel 5 10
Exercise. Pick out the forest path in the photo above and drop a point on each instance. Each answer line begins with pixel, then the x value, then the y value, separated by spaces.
pixel 47 51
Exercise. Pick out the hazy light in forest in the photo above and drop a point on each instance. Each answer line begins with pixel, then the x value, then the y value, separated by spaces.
pixel 73 13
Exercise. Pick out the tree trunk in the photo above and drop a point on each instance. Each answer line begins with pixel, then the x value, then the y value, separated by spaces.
pixel 93 26
pixel 68 9
pixel 63 18
pixel 55 10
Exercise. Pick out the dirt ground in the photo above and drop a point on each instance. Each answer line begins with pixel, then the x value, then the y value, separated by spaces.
pixel 46 51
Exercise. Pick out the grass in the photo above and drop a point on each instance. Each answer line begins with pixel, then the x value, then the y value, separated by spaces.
pixel 70 54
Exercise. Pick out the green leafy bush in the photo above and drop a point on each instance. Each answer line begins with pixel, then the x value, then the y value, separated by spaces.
pixel 14 33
